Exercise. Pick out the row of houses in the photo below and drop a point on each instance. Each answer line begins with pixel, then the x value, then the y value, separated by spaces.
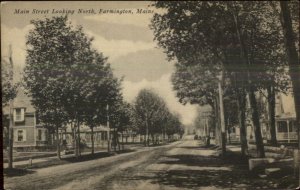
pixel 285 123
pixel 30 133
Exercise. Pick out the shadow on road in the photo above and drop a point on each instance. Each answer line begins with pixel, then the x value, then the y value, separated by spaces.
pixel 16 172
pixel 98 155
pixel 55 161
pixel 194 171
pixel 210 171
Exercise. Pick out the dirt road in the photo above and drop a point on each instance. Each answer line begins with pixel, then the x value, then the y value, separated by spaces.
pixel 180 165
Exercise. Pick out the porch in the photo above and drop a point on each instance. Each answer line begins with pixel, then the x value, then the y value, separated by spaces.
pixel 286 130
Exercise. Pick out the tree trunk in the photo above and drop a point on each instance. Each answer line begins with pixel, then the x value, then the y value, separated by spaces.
pixel 119 146
pixel 222 119
pixel 115 140
pixel 122 141
pixel 256 123
pixel 271 112
pixel 208 132
pixel 92 139
pixel 57 143
pixel 228 130
pixel 217 123
pixel 11 120
pixel 157 139
pixel 108 127
pixel 164 135
pixel 253 103
pixel 152 138
pixel 242 121
pixel 10 139
pixel 75 139
pixel 147 132
pixel 52 136
pixel 293 60
pixel 78 125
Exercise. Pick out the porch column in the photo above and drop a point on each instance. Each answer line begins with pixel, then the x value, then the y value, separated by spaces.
pixel 288 130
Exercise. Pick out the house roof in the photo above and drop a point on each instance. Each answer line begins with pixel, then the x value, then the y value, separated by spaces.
pixel 21 101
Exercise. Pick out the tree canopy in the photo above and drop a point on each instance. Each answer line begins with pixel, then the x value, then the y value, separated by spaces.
pixel 152 115
pixel 242 39
pixel 68 80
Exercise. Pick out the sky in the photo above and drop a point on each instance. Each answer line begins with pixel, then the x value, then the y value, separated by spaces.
pixel 125 39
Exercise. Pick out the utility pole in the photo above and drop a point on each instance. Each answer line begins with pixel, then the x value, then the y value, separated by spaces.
pixel 108 133
pixel 223 132
pixel 10 135
pixel 11 120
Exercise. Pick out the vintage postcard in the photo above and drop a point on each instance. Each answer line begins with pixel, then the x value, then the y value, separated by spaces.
pixel 151 95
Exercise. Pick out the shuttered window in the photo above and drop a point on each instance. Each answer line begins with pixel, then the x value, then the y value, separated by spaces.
pixel 19 114
pixel 20 135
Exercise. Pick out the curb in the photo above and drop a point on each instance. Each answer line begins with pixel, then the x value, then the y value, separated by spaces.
pixel 17 159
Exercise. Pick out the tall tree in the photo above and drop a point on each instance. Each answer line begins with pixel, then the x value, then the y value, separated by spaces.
pixel 64 73
pixel 53 119
pixel 103 89
pixel 293 57
pixel 182 31
pixel 120 120
pixel 173 125
pixel 233 35
pixel 150 110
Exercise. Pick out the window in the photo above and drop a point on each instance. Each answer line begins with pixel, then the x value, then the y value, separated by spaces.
pixel 282 126
pixel 292 126
pixel 20 135
pixel 19 114
pixel 39 135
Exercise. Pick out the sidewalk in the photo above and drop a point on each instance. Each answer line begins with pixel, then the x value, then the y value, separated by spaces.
pixel 51 159
pixel 21 156
pixel 274 149
pixel 38 162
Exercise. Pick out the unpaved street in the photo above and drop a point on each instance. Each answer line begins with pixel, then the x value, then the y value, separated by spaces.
pixel 180 165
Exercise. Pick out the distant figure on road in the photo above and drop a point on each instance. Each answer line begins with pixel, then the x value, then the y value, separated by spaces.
pixel 196 137
pixel 207 140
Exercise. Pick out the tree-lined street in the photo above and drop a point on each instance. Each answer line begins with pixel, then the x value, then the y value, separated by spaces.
pixel 224 113
pixel 181 165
